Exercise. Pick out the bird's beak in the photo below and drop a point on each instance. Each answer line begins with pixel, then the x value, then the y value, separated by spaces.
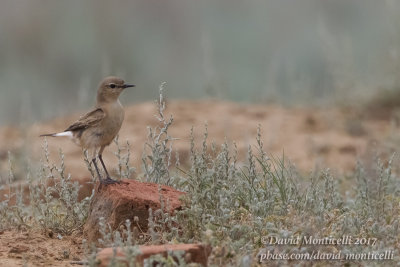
pixel 128 85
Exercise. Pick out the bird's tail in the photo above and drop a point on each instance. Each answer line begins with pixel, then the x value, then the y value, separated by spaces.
pixel 67 133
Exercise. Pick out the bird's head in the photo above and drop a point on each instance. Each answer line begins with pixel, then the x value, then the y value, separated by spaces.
pixel 110 88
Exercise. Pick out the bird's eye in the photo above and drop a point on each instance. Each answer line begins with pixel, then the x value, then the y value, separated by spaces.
pixel 112 85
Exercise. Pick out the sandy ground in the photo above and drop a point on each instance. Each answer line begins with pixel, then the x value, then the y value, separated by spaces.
pixel 310 138
pixel 332 138
pixel 35 248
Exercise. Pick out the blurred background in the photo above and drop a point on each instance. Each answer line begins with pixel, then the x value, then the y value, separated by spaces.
pixel 319 52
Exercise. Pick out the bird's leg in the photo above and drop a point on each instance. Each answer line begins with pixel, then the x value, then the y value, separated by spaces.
pixel 97 169
pixel 108 180
pixel 104 166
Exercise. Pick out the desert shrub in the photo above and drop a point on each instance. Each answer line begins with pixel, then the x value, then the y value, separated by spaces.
pixel 13 213
pixel 124 170
pixel 232 205
pixel 53 200
pixel 157 151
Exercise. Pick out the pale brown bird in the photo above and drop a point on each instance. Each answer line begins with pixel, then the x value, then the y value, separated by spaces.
pixel 98 128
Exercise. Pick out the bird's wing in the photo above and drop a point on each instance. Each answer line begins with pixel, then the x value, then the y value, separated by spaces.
pixel 90 119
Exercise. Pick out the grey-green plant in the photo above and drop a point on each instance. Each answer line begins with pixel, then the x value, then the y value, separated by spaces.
pixel 124 170
pixel 53 200
pixel 157 151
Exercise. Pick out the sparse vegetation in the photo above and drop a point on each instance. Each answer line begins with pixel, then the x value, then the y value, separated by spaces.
pixel 230 205
pixel 53 200
pixel 157 152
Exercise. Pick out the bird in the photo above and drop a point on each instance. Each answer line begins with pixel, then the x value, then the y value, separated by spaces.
pixel 95 130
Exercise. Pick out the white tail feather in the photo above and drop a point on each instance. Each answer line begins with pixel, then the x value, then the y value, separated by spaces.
pixel 68 133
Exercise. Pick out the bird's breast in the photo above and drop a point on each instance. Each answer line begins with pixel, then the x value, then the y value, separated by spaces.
pixel 106 131
pixel 114 118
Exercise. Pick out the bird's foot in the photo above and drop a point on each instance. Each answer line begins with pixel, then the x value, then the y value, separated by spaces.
pixel 108 181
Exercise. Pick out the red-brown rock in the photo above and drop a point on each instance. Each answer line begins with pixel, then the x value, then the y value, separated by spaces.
pixel 118 202
pixel 194 253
